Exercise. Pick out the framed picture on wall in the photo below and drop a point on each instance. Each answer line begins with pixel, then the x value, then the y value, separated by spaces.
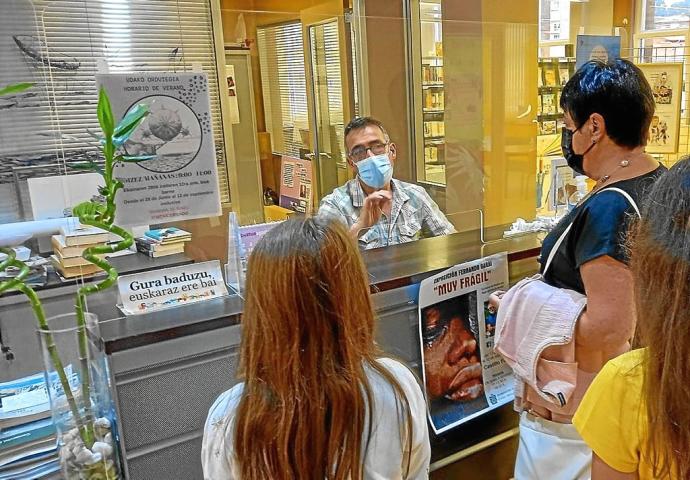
pixel 666 80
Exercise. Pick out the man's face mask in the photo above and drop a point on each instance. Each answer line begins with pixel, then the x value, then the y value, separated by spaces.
pixel 575 160
pixel 375 171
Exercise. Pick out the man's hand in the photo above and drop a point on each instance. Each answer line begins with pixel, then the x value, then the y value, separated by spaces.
pixel 374 204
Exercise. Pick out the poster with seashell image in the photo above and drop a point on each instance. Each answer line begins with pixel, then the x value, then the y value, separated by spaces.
pixel 180 181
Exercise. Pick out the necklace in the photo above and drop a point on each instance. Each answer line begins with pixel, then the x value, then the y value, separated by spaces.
pixel 600 183
pixel 623 164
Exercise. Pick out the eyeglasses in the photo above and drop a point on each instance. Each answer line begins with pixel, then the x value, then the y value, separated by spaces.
pixel 361 152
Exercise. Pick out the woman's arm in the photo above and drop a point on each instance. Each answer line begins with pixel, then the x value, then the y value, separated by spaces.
pixel 601 471
pixel 607 325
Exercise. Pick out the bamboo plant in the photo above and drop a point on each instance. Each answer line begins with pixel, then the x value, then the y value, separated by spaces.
pixel 101 214
pixel 17 283
pixel 98 213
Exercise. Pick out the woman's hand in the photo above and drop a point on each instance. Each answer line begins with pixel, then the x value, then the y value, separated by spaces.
pixel 495 299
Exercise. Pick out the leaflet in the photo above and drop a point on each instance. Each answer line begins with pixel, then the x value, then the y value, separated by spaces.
pixel 463 376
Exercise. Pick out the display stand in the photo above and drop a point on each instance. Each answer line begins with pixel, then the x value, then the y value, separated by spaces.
pixel 241 241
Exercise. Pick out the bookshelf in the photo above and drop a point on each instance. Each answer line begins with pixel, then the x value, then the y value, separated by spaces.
pixel 432 93
pixel 554 73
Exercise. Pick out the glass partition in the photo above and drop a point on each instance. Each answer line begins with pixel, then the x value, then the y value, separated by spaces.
pixel 454 85
pixel 329 113
pixel 461 87
pixel 462 123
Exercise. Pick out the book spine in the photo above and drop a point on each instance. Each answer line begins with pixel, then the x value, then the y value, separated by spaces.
pixel 145 250
pixel 145 246
pixel 25 434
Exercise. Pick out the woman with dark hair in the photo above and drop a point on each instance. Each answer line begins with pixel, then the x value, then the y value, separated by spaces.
pixel 608 109
pixel 636 415
pixel 317 399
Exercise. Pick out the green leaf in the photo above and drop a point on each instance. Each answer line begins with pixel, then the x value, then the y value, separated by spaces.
pixel 86 209
pixel 95 136
pixel 129 123
pixel 135 159
pixel 105 113
pixel 90 166
pixel 15 88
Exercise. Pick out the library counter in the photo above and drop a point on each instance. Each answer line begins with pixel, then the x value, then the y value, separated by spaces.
pixel 167 367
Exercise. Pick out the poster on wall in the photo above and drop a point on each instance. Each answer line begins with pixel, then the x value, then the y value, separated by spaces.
pixel 232 94
pixel 463 376
pixel 666 80
pixel 597 47
pixel 295 184
pixel 181 181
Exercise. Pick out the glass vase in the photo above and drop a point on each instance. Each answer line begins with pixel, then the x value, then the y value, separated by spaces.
pixel 78 381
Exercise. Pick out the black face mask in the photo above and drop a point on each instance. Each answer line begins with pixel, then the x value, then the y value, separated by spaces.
pixel 575 160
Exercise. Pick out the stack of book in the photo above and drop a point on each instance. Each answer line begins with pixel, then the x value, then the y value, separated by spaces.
pixel 163 241
pixel 69 246
pixel 28 439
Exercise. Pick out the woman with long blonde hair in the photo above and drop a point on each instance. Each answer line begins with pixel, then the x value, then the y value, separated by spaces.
pixel 317 400
pixel 636 414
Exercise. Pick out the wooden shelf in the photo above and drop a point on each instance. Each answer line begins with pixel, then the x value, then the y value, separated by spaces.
pixel 550 88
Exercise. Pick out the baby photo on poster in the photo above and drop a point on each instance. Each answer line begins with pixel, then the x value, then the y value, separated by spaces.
pixel 463 376
pixel 452 361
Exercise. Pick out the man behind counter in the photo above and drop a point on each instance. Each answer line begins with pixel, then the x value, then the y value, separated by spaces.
pixel 378 209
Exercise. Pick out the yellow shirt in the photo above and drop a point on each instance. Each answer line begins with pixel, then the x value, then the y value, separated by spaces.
pixel 612 418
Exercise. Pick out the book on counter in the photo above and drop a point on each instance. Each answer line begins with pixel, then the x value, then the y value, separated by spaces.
pixel 74 271
pixel 60 246
pixel 169 235
pixel 69 246
pixel 28 437
pixel 11 457
pixel 27 433
pixel 75 235
pixel 43 465
pixel 163 241
pixel 77 261
pixel 152 248
pixel 23 400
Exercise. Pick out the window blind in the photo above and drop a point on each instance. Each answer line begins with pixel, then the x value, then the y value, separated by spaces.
pixel 325 57
pixel 281 58
pixel 60 51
